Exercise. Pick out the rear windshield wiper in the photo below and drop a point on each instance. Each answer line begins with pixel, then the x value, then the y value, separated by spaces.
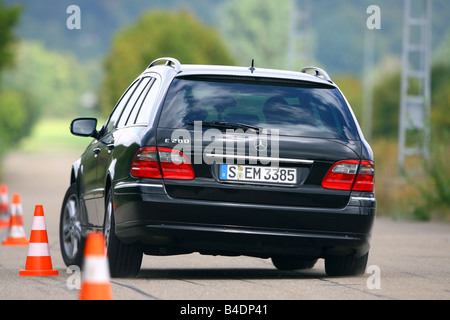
pixel 225 124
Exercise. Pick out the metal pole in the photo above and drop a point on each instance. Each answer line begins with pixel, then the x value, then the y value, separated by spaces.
pixel 404 87
pixel 415 104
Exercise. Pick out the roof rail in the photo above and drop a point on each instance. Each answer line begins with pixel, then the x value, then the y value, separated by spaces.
pixel 169 62
pixel 320 73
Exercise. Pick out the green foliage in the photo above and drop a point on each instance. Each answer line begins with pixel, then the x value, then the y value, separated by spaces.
pixel 351 87
pixel 12 112
pixel 42 83
pixel 9 16
pixel 12 118
pixel 52 82
pixel 435 191
pixel 258 29
pixel 337 26
pixel 387 102
pixel 440 99
pixel 157 34
pixel 386 106
pixel 425 194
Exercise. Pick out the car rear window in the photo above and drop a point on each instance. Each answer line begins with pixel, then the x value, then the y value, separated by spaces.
pixel 295 108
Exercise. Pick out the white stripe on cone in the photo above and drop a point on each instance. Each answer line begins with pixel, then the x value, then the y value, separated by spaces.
pixel 16 209
pixel 38 249
pixel 96 269
pixel 38 223
pixel 16 232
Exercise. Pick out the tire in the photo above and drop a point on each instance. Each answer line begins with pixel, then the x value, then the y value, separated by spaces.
pixel 293 262
pixel 346 265
pixel 71 237
pixel 124 259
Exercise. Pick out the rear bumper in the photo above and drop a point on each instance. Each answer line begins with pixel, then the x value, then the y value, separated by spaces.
pixel 145 213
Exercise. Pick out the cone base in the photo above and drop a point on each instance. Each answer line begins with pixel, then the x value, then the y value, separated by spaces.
pixel 15 242
pixel 97 291
pixel 38 272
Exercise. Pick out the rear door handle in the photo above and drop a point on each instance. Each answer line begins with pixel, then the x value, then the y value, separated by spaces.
pixel 96 151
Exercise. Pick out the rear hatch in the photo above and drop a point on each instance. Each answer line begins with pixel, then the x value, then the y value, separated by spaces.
pixel 257 141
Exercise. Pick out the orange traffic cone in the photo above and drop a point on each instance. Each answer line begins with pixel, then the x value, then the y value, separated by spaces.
pixel 39 262
pixel 4 207
pixel 17 236
pixel 95 277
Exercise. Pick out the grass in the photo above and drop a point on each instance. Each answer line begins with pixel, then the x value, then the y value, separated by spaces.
pixel 394 192
pixel 422 194
pixel 53 135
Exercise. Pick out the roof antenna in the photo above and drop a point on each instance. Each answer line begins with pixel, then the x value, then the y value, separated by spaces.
pixel 252 67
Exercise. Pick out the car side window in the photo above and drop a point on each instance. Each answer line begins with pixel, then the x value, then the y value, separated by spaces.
pixel 115 115
pixel 133 103
pixel 148 106
pixel 137 107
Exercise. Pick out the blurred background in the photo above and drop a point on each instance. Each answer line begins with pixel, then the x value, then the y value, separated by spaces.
pixel 57 64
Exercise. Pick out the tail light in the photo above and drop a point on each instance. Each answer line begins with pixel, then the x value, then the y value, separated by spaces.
pixel 365 179
pixel 353 175
pixel 153 162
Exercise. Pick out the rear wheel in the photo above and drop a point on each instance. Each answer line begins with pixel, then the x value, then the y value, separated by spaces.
pixel 346 265
pixel 293 262
pixel 124 259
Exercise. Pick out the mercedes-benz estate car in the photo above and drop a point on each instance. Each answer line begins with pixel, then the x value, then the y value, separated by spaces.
pixel 224 160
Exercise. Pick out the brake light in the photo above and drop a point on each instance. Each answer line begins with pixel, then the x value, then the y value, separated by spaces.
pixel 175 165
pixel 153 162
pixel 351 175
pixel 365 180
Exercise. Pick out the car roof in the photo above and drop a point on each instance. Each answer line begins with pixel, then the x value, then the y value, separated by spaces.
pixel 320 76
pixel 246 72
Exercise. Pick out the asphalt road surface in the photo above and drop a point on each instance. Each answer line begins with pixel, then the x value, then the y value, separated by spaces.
pixel 408 260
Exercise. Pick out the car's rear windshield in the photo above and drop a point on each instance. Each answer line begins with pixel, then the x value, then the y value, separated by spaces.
pixel 295 108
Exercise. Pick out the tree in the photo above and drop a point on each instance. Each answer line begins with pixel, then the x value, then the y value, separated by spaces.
pixel 352 89
pixel 157 34
pixel 12 117
pixel 11 105
pixel 9 16
pixel 52 82
pixel 386 106
pixel 258 29
pixel 387 103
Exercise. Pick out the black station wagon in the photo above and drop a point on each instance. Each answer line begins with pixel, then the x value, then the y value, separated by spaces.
pixel 224 161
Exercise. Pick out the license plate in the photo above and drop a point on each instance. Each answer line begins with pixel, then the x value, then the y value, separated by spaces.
pixel 258 174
